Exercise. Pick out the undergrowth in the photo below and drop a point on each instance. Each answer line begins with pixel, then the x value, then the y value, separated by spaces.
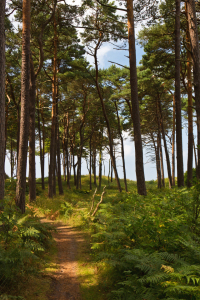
pixel 142 248
pixel 24 241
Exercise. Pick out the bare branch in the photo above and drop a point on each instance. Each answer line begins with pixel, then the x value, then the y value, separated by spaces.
pixel 99 202
pixel 119 65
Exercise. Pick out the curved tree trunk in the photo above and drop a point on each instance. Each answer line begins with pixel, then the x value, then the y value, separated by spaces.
pixel 24 122
pixel 2 98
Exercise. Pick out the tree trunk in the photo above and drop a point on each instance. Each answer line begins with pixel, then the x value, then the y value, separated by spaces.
pixel 25 95
pixel 122 147
pixel 161 163
pixel 11 158
pixel 165 146
pixel 2 98
pixel 134 101
pixel 58 160
pixel 190 114
pixel 105 114
pixel 180 177
pixel 94 166
pixel 111 171
pixel 40 143
pixel 67 152
pixel 193 31
pixel 173 142
pixel 90 164
pixel 32 181
pixel 52 181
pixel 195 156
pixel 157 160
pixel 100 166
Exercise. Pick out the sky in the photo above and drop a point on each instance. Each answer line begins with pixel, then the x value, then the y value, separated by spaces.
pixel 105 54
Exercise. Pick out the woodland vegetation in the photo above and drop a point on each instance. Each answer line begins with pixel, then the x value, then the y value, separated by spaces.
pixel 54 103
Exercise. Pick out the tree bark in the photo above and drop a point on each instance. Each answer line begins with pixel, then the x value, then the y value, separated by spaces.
pixel 2 98
pixel 165 145
pixel 194 38
pixel 94 165
pixel 90 163
pixel 41 148
pixel 25 96
pixel 180 176
pixel 190 113
pixel 157 160
pixel 100 161
pixel 173 142
pixel 52 182
pixel 32 181
pixel 161 164
pixel 60 187
pixel 67 152
pixel 122 147
pixel 134 101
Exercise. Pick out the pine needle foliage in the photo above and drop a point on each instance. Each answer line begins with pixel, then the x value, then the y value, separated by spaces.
pixel 152 244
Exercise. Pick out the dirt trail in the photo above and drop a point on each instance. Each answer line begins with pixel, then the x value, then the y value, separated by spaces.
pixel 65 285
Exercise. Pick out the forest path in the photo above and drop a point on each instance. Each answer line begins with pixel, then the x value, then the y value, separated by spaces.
pixel 65 285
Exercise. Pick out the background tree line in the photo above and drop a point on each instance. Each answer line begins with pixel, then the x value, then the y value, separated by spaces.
pixel 51 97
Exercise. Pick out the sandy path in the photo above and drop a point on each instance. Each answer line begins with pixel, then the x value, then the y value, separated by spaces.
pixel 65 285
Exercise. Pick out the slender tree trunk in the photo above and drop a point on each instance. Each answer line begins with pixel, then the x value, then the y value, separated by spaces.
pixel 2 98
pixel 74 167
pixel 11 156
pixel 173 142
pixel 52 181
pixel 100 165
pixel 64 158
pixel 32 181
pixel 122 148
pixel 105 114
pixel 24 123
pixel 111 170
pixel 190 114
pixel 40 143
pixel 134 101
pixel 180 176
pixel 67 152
pixel 195 156
pixel 161 163
pixel 90 163
pixel 157 160
pixel 94 166
pixel 59 166
pixel 194 38
pixel 165 146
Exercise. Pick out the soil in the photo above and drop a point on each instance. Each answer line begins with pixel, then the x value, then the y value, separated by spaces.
pixel 65 285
